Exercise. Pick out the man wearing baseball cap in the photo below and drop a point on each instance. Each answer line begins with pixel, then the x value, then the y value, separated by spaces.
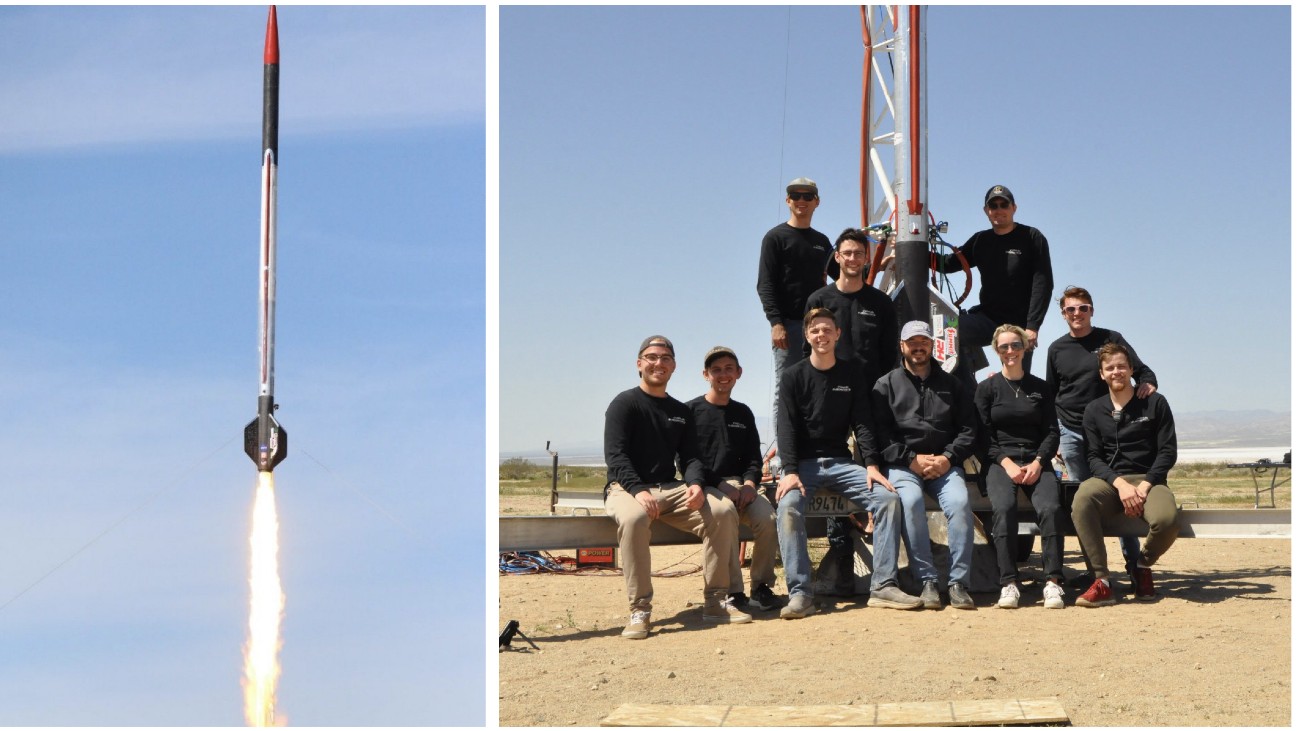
pixel 648 434
pixel 733 466
pixel 926 423
pixel 1015 269
pixel 791 266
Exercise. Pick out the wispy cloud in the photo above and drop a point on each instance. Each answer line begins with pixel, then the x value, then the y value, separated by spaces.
pixel 88 76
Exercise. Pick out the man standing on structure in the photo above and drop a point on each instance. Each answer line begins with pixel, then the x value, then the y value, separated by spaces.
pixel 646 430
pixel 733 466
pixel 926 426
pixel 1132 446
pixel 868 327
pixel 822 400
pixel 791 266
pixel 1072 377
pixel 1015 269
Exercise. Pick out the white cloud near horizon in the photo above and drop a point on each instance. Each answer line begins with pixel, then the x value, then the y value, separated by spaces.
pixel 76 77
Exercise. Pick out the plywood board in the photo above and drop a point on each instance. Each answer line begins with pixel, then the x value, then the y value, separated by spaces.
pixel 1031 711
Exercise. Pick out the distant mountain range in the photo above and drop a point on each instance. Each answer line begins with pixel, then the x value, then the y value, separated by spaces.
pixel 1196 430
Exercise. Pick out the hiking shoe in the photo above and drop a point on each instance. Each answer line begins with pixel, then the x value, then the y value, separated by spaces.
pixel 959 599
pixel 1144 587
pixel 892 597
pixel 930 595
pixel 1097 595
pixel 725 612
pixel 638 627
pixel 764 598
pixel 1010 598
pixel 800 606
pixel 1053 596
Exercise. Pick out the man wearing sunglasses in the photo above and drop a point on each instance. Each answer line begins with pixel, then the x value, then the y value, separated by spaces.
pixel 791 266
pixel 648 434
pixel 1015 269
pixel 1072 376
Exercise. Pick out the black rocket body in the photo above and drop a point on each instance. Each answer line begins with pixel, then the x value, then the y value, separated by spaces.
pixel 265 441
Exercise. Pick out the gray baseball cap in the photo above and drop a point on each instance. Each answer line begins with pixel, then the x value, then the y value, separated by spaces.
pixel 801 184
pixel 914 328
pixel 656 340
pixel 718 351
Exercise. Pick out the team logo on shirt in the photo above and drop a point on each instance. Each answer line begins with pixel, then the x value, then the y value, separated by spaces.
pixel 736 425
pixel 1013 252
pixel 844 389
pixel 677 419
pixel 1141 419
pixel 867 313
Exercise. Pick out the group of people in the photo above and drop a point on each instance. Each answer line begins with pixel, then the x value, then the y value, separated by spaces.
pixel 863 409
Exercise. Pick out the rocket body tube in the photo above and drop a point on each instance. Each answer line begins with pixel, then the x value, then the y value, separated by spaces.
pixel 265 442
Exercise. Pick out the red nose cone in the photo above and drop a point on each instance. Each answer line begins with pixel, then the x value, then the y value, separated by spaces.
pixel 272 53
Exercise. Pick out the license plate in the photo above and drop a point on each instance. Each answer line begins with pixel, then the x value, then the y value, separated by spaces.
pixel 829 504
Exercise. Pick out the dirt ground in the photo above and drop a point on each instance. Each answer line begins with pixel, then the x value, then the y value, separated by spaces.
pixel 1214 650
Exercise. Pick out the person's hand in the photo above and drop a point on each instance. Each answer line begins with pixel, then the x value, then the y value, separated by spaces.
pixel 729 492
pixel 694 497
pixel 1014 471
pixel 1029 475
pixel 648 501
pixel 917 465
pixel 778 337
pixel 747 495
pixel 1032 337
pixel 874 475
pixel 788 483
pixel 1129 496
pixel 1145 389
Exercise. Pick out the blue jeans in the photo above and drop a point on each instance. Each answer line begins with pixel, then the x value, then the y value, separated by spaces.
pixel 1074 452
pixel 842 476
pixel 781 358
pixel 949 489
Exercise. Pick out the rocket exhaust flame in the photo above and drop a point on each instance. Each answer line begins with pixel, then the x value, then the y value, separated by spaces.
pixel 266 607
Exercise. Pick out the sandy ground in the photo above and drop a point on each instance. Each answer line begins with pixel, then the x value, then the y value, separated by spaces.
pixel 1214 650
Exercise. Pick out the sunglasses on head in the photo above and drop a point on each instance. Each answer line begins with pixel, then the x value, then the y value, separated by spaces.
pixel 803 196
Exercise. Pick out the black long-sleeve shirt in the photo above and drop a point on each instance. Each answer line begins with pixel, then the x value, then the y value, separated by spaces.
pixel 1143 441
pixel 1074 375
pixel 915 416
pixel 1015 274
pixel 728 441
pixel 816 411
pixel 791 266
pixel 868 327
pixel 644 434
pixel 1019 419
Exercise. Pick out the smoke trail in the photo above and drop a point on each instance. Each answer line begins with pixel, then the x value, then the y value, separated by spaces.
pixel 266 606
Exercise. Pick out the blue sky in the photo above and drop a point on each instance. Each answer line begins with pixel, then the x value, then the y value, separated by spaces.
pixel 129 166
pixel 644 152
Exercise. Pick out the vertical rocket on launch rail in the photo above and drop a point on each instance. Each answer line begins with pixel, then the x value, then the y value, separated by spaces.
pixel 265 441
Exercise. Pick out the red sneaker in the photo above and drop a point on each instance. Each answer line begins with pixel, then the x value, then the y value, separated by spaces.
pixel 1097 595
pixel 1144 588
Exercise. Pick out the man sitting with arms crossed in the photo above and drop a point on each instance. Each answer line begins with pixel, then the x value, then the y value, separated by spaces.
pixel 1131 448
pixel 645 429
pixel 821 400
pixel 733 465
pixel 926 423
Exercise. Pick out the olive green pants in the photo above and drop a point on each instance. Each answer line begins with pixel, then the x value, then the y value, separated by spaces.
pixel 1096 500
pixel 760 516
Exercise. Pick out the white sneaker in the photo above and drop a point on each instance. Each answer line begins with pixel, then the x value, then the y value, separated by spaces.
pixel 1010 598
pixel 1053 596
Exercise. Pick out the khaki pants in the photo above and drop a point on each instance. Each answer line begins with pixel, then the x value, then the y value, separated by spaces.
pixel 1097 500
pixel 715 522
pixel 760 516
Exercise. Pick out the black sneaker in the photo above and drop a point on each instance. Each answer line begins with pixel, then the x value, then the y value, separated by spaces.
pixel 958 597
pixel 739 599
pixel 764 598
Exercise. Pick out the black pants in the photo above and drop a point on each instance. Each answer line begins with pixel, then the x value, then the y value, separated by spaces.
pixel 1046 498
